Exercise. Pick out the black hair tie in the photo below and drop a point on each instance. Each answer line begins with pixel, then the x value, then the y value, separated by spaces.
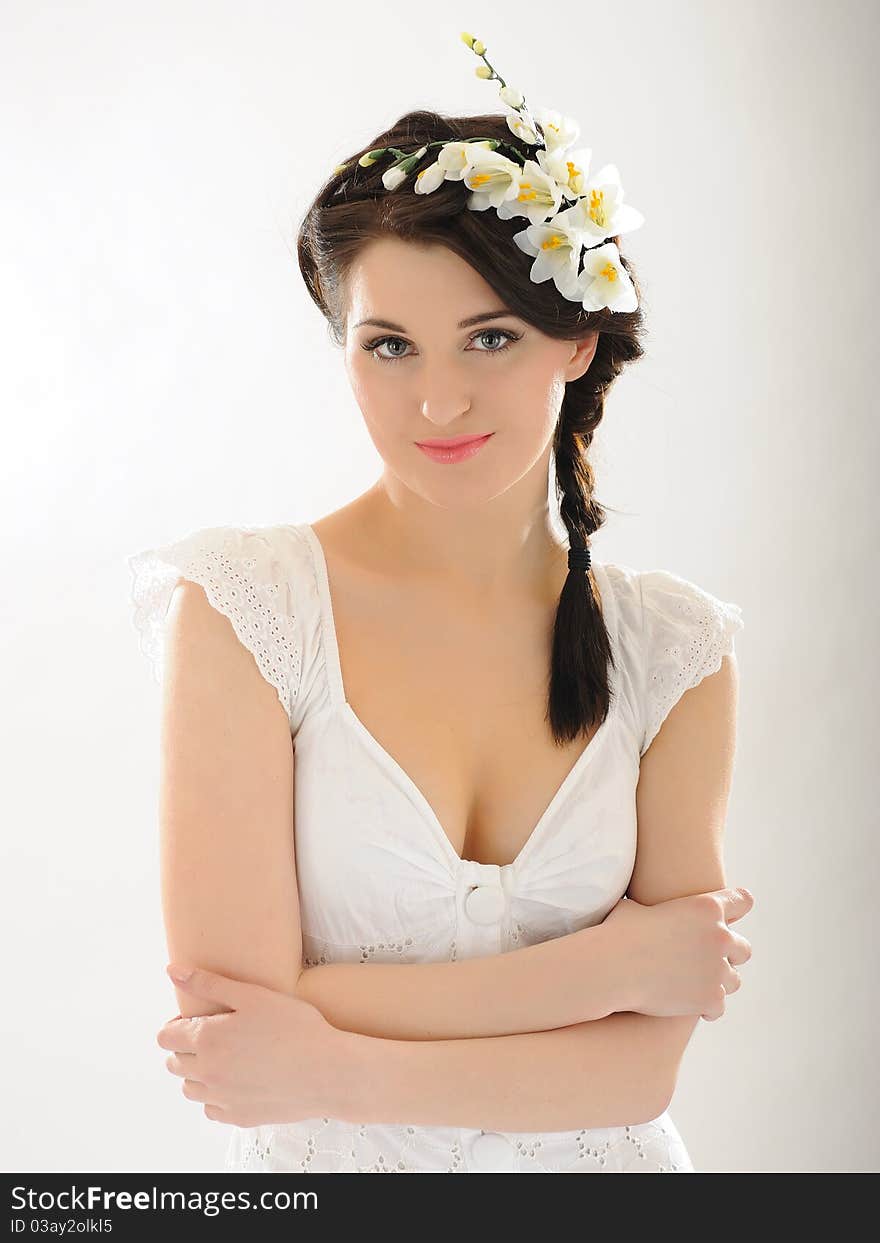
pixel 578 558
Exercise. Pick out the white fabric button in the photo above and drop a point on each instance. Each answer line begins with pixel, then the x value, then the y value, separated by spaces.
pixel 485 904
pixel 494 1154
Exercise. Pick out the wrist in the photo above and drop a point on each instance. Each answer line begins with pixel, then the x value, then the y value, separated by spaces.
pixel 612 990
pixel 359 1066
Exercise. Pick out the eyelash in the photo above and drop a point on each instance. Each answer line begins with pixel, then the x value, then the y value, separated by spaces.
pixel 372 346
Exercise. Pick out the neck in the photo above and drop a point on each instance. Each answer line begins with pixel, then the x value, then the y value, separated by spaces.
pixel 489 551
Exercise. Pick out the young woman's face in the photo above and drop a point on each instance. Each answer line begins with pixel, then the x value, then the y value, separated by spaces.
pixel 428 375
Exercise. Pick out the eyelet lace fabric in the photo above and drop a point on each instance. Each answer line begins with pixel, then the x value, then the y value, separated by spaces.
pixel 329 1146
pixel 241 578
pixel 687 632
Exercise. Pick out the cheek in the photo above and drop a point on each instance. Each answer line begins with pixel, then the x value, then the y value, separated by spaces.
pixel 385 405
pixel 373 388
pixel 532 400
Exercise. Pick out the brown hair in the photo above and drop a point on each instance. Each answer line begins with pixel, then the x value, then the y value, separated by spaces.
pixel 352 208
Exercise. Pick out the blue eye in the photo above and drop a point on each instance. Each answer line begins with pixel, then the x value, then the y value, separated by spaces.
pixel 372 346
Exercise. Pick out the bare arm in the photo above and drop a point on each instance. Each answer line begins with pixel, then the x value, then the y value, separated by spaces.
pixel 229 892
pixel 614 1071
pixel 570 979
pixel 610 1072
pixel 684 786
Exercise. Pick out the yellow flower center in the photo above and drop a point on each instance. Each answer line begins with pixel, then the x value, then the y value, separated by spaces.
pixel 609 272
pixel 597 210
pixel 479 178
pixel 531 194
pixel 554 242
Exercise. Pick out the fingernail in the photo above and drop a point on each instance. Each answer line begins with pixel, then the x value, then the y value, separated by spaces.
pixel 180 974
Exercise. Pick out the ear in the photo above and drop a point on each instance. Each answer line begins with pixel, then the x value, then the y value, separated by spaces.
pixel 584 351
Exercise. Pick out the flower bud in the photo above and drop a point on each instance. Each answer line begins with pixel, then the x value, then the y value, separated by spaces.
pixel 510 95
pixel 478 47
pixel 393 177
pixel 466 38
pixel 483 71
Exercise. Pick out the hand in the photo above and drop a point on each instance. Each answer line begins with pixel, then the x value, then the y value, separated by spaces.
pixel 680 955
pixel 270 1058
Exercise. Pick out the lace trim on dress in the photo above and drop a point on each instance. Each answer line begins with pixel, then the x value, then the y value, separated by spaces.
pixel 689 631
pixel 318 951
pixel 246 588
pixel 329 1145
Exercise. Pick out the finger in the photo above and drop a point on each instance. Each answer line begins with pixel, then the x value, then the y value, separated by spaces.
pixel 740 951
pixel 737 902
pixel 194 1091
pixel 717 1010
pixel 181 1064
pixel 219 988
pixel 180 1034
pixel 732 980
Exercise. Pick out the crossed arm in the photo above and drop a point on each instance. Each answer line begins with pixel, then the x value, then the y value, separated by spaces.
pixel 543 1038
pixel 536 1039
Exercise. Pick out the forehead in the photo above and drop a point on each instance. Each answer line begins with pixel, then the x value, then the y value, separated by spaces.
pixel 397 279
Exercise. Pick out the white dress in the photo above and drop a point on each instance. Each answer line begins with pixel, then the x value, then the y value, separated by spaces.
pixel 379 879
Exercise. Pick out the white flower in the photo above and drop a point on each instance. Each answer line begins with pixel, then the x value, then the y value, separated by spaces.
pixel 491 176
pixel 429 178
pixel 568 167
pixel 455 157
pixel 538 195
pixel 601 212
pixel 557 253
pixel 511 96
pixel 569 283
pixel 517 125
pixel 604 281
pixel 392 178
pixel 559 131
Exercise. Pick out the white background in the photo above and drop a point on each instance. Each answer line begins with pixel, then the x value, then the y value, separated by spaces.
pixel 164 369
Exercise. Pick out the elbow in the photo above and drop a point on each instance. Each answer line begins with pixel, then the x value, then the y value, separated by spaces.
pixel 669 1040
pixel 656 1095
pixel 651 1103
pixel 640 1104
pixel 660 1101
pixel 661 1096
pixel 645 1098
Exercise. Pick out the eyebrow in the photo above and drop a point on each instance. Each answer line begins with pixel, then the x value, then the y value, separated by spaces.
pixel 464 323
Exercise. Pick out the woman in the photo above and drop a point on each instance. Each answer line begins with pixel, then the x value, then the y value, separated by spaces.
pixel 506 910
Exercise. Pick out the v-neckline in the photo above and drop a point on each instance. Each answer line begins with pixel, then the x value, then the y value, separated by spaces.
pixel 395 769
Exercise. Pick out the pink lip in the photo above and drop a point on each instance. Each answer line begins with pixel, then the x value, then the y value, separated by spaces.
pixel 454 448
pixel 451 442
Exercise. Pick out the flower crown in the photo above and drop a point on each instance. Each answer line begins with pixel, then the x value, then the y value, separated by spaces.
pixel 517 186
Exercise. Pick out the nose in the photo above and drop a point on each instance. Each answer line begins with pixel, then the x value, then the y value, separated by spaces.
pixel 442 400
pixel 443 409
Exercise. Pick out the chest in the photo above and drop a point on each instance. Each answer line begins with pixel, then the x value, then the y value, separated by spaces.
pixel 457 698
